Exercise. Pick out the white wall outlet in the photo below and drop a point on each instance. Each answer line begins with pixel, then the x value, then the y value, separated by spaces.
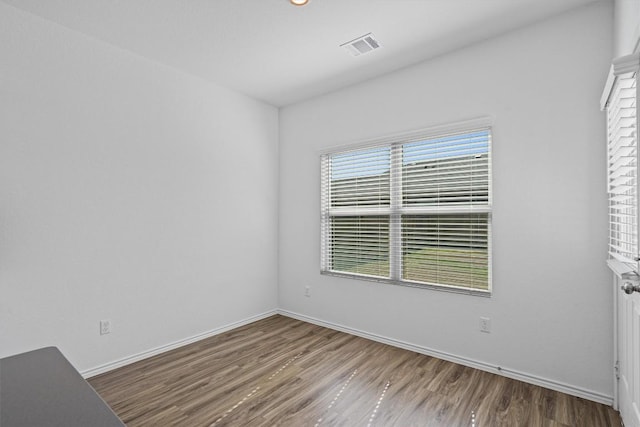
pixel 307 291
pixel 485 325
pixel 105 327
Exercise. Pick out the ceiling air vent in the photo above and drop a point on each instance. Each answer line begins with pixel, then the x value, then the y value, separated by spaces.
pixel 362 44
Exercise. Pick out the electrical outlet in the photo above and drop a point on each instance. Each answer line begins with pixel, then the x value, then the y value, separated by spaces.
pixel 105 327
pixel 307 291
pixel 485 325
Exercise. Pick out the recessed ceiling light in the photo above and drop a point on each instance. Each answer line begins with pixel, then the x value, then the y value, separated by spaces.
pixel 299 2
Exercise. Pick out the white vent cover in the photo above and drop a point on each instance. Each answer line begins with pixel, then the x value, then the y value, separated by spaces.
pixel 362 44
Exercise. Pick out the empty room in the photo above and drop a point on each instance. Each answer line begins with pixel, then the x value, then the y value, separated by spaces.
pixel 319 213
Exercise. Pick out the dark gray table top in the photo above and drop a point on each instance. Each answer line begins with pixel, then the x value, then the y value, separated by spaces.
pixel 41 388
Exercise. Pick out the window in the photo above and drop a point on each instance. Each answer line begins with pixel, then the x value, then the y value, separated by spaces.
pixel 412 210
pixel 622 165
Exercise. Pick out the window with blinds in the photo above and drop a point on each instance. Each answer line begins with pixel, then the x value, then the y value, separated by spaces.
pixel 415 211
pixel 623 170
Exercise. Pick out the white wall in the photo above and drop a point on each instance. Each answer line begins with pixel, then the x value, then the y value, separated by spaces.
pixel 551 309
pixel 626 26
pixel 128 191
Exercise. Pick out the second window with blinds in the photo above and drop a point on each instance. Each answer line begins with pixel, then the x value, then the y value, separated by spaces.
pixel 414 210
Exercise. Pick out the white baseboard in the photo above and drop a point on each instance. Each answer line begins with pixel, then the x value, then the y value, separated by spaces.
pixel 154 351
pixel 509 373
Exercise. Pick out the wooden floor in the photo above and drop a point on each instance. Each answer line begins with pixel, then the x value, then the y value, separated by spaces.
pixel 283 372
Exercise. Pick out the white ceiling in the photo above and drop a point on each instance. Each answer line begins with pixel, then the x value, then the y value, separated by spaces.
pixel 282 54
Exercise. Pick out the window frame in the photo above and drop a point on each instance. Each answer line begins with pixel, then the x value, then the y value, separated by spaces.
pixel 623 215
pixel 395 210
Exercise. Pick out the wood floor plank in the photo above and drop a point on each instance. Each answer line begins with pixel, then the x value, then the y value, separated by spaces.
pixel 284 372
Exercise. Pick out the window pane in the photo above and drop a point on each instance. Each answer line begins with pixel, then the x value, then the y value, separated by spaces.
pixel 360 178
pixel 623 171
pixel 450 170
pixel 360 244
pixel 446 249
pixel 380 211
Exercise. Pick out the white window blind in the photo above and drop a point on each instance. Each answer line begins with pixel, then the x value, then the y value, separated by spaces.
pixel 623 169
pixel 415 211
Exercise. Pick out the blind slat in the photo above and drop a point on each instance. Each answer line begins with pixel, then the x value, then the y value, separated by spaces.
pixel 434 193
pixel 622 170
